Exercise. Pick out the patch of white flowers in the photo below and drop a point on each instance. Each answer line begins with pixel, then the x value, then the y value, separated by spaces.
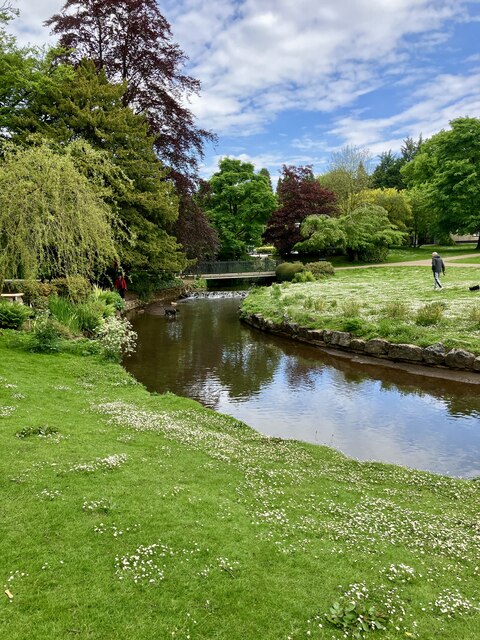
pixel 450 602
pixel 104 464
pixel 116 337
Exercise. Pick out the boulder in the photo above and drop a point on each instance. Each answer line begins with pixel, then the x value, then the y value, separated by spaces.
pixel 434 354
pixel 476 364
pixel 459 359
pixel 327 336
pixel 357 344
pixel 377 347
pixel 341 339
pixel 406 352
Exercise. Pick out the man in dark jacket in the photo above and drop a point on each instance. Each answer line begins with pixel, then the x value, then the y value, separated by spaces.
pixel 438 267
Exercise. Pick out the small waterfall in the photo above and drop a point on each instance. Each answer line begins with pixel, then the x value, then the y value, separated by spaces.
pixel 199 295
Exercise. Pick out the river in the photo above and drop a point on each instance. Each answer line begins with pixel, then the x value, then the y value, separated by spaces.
pixel 289 390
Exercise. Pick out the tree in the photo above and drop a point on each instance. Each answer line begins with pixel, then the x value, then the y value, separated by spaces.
pixel 447 169
pixel 347 176
pixel 387 173
pixel 395 203
pixel 130 40
pixel 52 222
pixel 238 205
pixel 365 234
pixel 299 195
pixel 81 104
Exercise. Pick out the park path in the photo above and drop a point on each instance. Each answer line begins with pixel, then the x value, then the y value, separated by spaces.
pixel 427 262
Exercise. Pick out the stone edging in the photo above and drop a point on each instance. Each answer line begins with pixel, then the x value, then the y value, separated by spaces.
pixel 436 355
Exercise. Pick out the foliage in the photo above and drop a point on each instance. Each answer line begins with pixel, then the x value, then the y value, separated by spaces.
pixel 52 223
pixel 116 338
pixel 110 298
pixel 193 229
pixel 238 204
pixel 304 276
pixel 146 283
pixel 13 314
pixel 447 169
pixel 387 173
pixel 75 288
pixel 299 196
pixel 89 315
pixel 35 293
pixel 130 40
pixel 286 271
pixel 320 268
pixel 365 234
pixel 430 314
pixel 396 204
pixel 46 334
pixel 356 616
pixel 347 176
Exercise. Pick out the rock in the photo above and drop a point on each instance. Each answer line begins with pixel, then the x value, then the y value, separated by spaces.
pixel 316 336
pixel 327 336
pixel 357 344
pixel 459 359
pixel 434 354
pixel 341 339
pixel 407 352
pixel 476 364
pixel 377 347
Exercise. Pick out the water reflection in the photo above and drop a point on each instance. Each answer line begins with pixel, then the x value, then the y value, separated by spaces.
pixel 290 390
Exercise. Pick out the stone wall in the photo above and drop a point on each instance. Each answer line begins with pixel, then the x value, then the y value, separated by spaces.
pixel 436 355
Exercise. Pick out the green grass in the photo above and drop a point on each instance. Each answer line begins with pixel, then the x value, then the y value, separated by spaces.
pixel 411 254
pixel 222 533
pixel 387 302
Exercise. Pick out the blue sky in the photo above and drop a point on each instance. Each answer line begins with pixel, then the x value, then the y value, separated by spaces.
pixel 291 81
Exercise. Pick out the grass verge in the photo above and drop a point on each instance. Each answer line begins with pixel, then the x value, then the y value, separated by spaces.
pixel 131 515
pixel 395 303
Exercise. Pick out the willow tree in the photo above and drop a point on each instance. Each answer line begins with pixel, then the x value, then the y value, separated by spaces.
pixel 52 222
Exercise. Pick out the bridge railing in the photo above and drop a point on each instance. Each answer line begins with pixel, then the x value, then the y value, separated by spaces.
pixel 234 266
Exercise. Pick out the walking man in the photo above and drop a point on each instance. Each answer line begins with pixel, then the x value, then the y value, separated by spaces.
pixel 438 267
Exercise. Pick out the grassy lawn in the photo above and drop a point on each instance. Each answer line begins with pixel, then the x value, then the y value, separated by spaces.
pixel 131 515
pixel 410 254
pixel 395 303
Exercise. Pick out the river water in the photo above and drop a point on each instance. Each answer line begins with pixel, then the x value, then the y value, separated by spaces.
pixel 290 390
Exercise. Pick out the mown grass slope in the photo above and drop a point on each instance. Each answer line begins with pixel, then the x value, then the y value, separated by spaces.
pixel 131 515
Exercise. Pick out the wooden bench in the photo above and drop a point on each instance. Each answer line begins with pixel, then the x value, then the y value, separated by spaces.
pixel 12 297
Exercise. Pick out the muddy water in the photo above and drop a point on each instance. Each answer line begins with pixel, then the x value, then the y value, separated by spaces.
pixel 291 390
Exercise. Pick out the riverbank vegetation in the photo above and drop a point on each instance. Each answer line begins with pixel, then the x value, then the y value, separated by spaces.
pixel 397 304
pixel 127 514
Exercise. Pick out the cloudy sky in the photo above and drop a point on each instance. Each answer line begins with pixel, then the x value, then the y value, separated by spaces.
pixel 290 81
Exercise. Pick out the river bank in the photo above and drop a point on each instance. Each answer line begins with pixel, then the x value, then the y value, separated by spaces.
pixel 134 515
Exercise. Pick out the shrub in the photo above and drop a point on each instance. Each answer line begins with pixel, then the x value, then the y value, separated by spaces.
pixel 430 314
pixel 145 283
pixel 474 316
pixel 111 298
pixel 116 338
pixel 350 308
pixel 321 268
pixel 303 276
pixel 76 288
pixel 35 293
pixel 286 271
pixel 45 337
pixel 64 311
pixel 13 315
pixel 90 315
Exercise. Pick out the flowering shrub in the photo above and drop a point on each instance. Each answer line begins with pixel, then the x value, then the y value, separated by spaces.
pixel 116 338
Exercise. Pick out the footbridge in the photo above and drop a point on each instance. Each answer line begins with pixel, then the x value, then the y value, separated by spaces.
pixel 255 269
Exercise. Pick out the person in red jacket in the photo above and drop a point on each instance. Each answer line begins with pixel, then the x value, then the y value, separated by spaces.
pixel 121 285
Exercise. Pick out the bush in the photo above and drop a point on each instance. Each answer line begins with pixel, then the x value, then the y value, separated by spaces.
pixel 286 271
pixel 65 312
pixel 145 284
pixel 396 310
pixel 90 315
pixel 13 315
pixel 110 298
pixel 304 276
pixel 116 338
pixel 76 288
pixel 430 314
pixel 45 337
pixel 321 268
pixel 35 293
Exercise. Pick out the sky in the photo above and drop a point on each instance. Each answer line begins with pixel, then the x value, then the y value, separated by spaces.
pixel 293 81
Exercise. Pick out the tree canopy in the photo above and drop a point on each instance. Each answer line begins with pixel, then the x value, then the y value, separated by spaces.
pixel 131 42
pixel 447 168
pixel 299 195
pixel 238 203
pixel 52 222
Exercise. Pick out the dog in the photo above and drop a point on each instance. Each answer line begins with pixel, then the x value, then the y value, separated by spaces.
pixel 475 287
pixel 171 312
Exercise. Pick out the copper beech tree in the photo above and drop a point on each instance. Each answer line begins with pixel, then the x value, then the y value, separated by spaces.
pixel 131 41
pixel 299 195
